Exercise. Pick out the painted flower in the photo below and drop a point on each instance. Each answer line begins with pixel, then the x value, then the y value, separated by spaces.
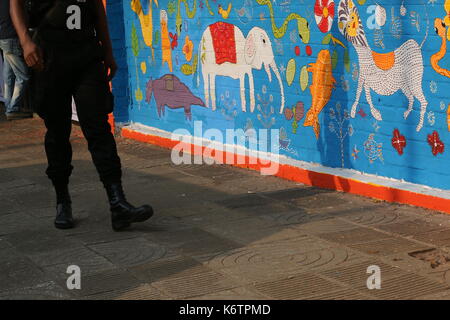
pixel 288 114
pixel 355 152
pixel 188 48
pixel 398 141
pixel 403 10
pixel 174 41
pixel 324 14
pixel 299 111
pixel 437 146
pixel 362 113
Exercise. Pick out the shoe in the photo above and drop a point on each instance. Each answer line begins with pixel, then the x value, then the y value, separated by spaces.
pixel 64 218
pixel 123 214
pixel 18 115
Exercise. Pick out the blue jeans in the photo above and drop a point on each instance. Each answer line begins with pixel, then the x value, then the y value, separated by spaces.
pixel 15 73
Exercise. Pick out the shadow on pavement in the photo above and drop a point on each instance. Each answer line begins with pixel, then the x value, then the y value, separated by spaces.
pixel 218 232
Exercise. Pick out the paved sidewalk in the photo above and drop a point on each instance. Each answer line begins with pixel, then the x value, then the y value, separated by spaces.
pixel 218 233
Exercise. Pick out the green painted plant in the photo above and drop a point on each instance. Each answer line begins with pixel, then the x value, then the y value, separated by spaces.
pixel 188 69
pixel 135 48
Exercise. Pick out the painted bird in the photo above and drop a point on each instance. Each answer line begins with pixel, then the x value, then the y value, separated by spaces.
pixel 225 13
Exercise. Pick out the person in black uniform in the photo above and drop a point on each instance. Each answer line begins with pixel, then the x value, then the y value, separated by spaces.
pixel 71 53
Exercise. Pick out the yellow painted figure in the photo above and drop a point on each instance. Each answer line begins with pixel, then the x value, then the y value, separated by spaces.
pixel 146 21
pixel 225 13
pixel 165 41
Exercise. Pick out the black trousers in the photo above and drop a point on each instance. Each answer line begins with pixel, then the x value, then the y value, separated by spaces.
pixel 78 72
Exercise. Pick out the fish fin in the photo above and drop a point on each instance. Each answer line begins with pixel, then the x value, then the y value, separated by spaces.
pixel 317 128
pixel 310 118
pixel 311 67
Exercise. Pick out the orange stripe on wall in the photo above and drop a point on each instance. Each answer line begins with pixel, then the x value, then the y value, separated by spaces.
pixel 316 179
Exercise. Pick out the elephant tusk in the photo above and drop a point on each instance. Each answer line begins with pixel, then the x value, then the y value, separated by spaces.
pixel 277 74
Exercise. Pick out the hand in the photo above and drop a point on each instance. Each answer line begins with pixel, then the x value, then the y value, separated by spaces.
pixel 33 55
pixel 110 66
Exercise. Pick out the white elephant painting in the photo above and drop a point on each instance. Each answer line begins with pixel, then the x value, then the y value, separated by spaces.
pixel 224 51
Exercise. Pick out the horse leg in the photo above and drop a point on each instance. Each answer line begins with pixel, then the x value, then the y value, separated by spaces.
pixel 423 108
pixel 410 97
pixel 358 95
pixel 375 113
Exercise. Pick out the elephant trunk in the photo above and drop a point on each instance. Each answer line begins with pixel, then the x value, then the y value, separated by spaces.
pixel 277 74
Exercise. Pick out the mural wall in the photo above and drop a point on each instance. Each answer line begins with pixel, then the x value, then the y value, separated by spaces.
pixel 356 84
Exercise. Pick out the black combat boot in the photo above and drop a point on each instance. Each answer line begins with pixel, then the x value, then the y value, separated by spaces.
pixel 63 218
pixel 124 214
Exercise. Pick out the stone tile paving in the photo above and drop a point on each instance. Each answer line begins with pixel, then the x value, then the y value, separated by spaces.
pixel 218 233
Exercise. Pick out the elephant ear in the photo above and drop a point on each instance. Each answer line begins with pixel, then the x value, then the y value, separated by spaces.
pixel 250 49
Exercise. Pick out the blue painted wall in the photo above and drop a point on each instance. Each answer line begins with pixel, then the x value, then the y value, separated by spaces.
pixel 360 142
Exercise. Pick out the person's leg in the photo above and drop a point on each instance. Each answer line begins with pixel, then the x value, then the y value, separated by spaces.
pixel 59 156
pixel 54 86
pixel 91 99
pixel 93 102
pixel 21 74
pixel 8 75
pixel 57 142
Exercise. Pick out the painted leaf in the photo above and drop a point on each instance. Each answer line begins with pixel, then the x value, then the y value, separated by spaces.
pixel 299 111
pixel 290 71
pixel 156 37
pixel 138 94
pixel 143 67
pixel 294 127
pixel 187 69
pixel 134 41
pixel 326 39
pixel 347 60
pixel 304 78
pixel 195 62
pixel 334 59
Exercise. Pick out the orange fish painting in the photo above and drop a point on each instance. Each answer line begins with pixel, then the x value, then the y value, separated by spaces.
pixel 321 89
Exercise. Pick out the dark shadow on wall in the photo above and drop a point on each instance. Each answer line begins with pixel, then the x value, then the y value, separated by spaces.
pixel 335 121
pixel 120 85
